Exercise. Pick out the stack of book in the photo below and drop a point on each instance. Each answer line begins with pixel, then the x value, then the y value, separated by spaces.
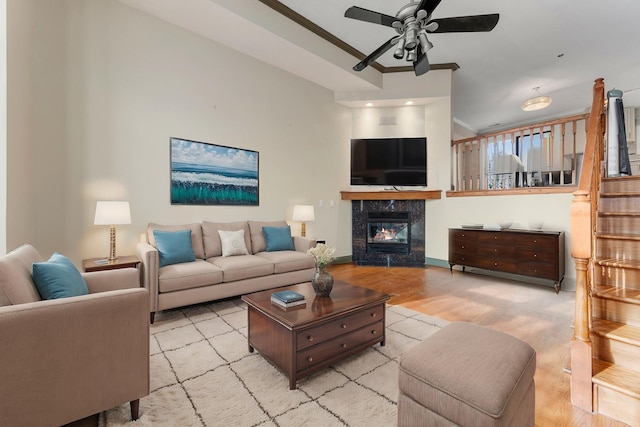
pixel 287 299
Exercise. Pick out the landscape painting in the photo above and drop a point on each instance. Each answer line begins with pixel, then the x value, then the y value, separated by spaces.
pixel 209 174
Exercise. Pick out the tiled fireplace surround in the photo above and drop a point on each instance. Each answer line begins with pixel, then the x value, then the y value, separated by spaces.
pixel 359 212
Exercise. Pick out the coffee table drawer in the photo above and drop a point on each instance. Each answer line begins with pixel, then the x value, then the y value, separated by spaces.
pixel 320 353
pixel 320 333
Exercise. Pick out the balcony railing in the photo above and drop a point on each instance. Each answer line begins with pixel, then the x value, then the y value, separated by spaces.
pixel 546 156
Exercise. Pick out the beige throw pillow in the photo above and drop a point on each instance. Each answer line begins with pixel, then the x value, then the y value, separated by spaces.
pixel 233 243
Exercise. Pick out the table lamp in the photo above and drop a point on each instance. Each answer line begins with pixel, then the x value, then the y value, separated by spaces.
pixel 112 214
pixel 303 213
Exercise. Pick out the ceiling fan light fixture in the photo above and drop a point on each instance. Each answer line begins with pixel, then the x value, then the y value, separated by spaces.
pixel 399 52
pixel 425 44
pixel 412 55
pixel 536 103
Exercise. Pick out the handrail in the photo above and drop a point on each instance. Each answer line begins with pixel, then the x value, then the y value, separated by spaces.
pixel 583 220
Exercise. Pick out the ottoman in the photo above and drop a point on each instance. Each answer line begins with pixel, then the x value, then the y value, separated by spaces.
pixel 467 375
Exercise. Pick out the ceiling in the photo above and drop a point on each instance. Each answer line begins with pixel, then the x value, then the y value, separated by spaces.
pixel 559 46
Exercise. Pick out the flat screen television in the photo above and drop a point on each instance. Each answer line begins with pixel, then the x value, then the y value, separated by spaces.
pixel 389 161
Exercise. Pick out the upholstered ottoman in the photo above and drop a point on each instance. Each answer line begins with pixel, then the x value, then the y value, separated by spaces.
pixel 467 375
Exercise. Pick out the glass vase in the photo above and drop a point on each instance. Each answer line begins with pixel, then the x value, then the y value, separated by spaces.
pixel 322 281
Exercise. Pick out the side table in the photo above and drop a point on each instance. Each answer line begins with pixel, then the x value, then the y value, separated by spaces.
pixel 99 264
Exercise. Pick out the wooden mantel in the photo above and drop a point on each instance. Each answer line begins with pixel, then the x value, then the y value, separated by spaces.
pixel 391 195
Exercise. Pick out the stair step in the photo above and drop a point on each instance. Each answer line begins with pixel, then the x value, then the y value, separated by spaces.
pixel 619 214
pixel 616 331
pixel 621 236
pixel 621 194
pixel 614 377
pixel 630 296
pixel 620 263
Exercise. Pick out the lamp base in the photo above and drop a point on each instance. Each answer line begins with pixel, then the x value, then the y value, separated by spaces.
pixel 303 230
pixel 112 243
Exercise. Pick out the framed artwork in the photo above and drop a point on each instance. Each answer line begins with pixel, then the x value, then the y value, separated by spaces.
pixel 210 174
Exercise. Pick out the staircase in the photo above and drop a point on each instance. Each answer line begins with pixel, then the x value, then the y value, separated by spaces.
pixel 615 303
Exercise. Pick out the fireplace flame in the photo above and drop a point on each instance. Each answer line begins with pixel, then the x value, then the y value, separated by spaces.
pixel 385 234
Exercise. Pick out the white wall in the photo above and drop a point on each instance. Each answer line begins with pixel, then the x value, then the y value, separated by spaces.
pixel 117 84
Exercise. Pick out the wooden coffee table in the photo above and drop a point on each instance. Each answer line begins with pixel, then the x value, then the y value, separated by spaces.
pixel 304 339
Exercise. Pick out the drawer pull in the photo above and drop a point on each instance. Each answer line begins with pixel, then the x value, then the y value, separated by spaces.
pixel 535 255
pixel 374 314
pixel 344 326
pixel 309 359
pixel 495 263
pixel 373 332
pixel 462 246
pixel 495 237
pixel 344 346
pixel 310 337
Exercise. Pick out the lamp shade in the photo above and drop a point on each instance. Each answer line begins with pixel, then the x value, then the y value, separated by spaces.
pixel 303 213
pixel 112 213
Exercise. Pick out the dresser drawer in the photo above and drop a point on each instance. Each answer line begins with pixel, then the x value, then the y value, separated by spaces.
pixel 466 235
pixel 539 270
pixel 541 241
pixel 508 266
pixel 322 352
pixel 462 258
pixel 495 252
pixel 320 333
pixel 543 255
pixel 498 238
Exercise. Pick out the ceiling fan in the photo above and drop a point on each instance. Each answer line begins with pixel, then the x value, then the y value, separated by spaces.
pixel 412 23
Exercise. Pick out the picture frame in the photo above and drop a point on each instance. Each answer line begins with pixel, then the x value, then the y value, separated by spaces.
pixel 210 174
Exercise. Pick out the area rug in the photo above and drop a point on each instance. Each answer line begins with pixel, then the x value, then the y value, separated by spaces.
pixel 202 374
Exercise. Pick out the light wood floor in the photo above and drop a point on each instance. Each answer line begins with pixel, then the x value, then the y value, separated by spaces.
pixel 533 313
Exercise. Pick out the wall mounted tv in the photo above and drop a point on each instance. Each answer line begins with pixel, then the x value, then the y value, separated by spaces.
pixel 389 161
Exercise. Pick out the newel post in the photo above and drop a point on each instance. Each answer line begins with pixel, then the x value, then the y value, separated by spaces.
pixel 581 352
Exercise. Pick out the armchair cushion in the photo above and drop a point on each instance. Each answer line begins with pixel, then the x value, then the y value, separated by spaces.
pixel 174 247
pixel 278 238
pixel 58 278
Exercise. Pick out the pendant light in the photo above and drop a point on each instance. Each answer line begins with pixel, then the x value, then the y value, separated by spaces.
pixel 536 103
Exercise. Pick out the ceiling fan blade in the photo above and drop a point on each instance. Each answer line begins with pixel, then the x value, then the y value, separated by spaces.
pixel 428 5
pixel 421 65
pixel 466 24
pixel 376 54
pixel 355 12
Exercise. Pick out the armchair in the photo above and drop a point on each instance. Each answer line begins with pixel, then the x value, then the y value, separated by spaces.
pixel 66 359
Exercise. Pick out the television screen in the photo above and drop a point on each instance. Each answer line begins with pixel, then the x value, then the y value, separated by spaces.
pixel 389 161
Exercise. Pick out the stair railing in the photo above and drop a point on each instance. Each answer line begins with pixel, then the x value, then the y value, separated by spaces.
pixel 583 220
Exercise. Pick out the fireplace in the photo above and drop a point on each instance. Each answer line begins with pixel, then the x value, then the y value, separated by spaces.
pixel 389 232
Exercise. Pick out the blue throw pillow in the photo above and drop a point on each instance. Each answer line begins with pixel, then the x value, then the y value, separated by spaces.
pixel 58 278
pixel 174 247
pixel 278 238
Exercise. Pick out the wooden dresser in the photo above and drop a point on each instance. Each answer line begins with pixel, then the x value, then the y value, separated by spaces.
pixel 529 253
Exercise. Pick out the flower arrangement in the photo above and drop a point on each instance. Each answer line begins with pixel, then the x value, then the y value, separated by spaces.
pixel 323 254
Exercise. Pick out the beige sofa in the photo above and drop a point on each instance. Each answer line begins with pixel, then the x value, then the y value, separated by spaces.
pixel 213 276
pixel 65 359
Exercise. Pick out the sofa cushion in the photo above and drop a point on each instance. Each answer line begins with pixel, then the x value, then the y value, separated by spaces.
pixel 58 278
pixel 196 235
pixel 189 275
pixel 174 247
pixel 242 267
pixel 16 284
pixel 284 261
pixel 278 238
pixel 212 243
pixel 258 242
pixel 233 243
